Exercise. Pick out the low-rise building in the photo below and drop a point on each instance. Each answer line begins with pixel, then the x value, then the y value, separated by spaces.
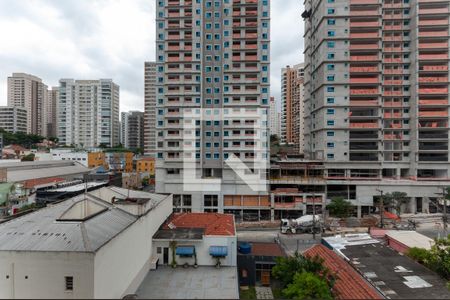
pixel 401 241
pixel 90 159
pixel 393 274
pixel 202 239
pixel 349 283
pixel 146 165
pixel 90 246
pixel 14 152
pixel 255 262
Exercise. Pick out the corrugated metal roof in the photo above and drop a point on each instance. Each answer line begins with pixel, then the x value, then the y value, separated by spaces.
pixel 39 231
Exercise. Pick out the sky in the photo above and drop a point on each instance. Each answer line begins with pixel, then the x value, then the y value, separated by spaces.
pixel 93 39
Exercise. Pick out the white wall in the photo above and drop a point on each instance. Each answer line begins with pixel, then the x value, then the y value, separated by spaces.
pixel 121 265
pixel 202 250
pixel 46 273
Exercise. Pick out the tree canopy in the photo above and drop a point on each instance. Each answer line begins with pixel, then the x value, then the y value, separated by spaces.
pixel 339 207
pixel 20 138
pixel 307 285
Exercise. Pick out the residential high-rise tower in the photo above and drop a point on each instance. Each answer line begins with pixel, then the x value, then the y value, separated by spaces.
pixel 213 87
pixel 150 109
pixel 88 113
pixel 132 127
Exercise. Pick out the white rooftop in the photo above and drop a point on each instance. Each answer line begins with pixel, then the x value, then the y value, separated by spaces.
pixel 40 231
pixel 411 239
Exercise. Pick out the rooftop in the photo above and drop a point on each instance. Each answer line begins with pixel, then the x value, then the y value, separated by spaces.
pixel 349 284
pixel 41 230
pixel 212 223
pixel 22 171
pixel 180 283
pixel 411 239
pixel 395 275
pixel 42 182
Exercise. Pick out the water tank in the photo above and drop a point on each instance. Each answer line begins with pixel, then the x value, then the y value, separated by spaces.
pixel 245 248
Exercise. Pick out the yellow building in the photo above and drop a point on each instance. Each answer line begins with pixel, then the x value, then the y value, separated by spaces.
pixel 96 159
pixel 120 161
pixel 146 165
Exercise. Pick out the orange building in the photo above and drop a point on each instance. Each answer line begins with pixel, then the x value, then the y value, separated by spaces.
pixel 96 159
pixel 146 165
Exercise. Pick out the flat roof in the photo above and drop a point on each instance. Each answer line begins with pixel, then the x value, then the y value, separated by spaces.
pixel 17 172
pixel 40 230
pixel 190 283
pixel 411 239
pixel 395 275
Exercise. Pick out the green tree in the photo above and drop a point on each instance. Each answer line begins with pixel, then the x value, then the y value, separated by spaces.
pixel 395 200
pixel 339 207
pixel 307 285
pixel 287 267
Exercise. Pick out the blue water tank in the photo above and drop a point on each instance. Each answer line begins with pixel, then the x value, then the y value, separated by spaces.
pixel 245 248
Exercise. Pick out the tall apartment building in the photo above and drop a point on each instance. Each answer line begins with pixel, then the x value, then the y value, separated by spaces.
pixel 292 95
pixel 377 93
pixel 213 60
pixel 150 109
pixel 88 113
pixel 378 85
pixel 51 111
pixel 13 119
pixel 274 121
pixel 132 127
pixel 29 92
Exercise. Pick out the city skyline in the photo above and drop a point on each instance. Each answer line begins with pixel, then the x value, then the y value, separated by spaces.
pixel 112 42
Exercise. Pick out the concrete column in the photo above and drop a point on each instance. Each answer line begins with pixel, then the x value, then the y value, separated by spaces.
pixel 358 211
pixel 411 206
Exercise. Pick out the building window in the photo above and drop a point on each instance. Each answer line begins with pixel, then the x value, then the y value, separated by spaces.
pixel 211 200
pixel 69 283
pixel 158 250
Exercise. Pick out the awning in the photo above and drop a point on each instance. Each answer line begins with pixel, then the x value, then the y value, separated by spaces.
pixel 185 251
pixel 218 251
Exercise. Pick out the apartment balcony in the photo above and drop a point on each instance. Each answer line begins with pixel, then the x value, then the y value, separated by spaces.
pixel 393 82
pixel 393 137
pixel 433 124
pixel 433 114
pixel 392 93
pixel 369 146
pixel 364 35
pixel 364 157
pixel 434 102
pixel 363 125
pixel 434 91
pixel 393 60
pixel 433 22
pixel 433 68
pixel 397 38
pixel 397 71
pixel 393 49
pixel 362 13
pixel 431 135
pixel 393 27
pixel 424 45
pixel 360 24
pixel 433 56
pixel 356 2
pixel 367 80
pixel 390 115
pixel 354 58
pixel 433 11
pixel 394 104
pixel 364 69
pixel 440 33
pixel 364 103
pixel 433 146
pixel 354 46
pixel 432 157
pixel 363 135
pixel 433 79
pixel 366 91
pixel 174 37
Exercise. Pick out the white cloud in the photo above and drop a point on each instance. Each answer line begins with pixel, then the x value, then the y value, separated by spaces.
pixel 88 39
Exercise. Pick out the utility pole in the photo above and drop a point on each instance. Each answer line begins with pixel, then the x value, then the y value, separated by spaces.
pixel 381 208
pixel 444 215
pixel 314 213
